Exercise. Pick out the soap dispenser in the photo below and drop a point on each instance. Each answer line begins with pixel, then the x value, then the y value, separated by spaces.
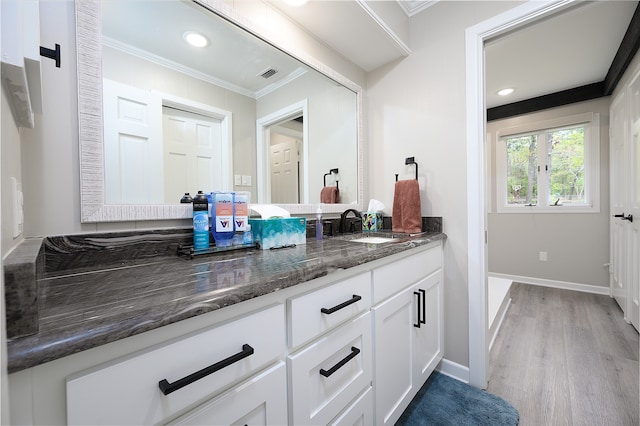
pixel 319 224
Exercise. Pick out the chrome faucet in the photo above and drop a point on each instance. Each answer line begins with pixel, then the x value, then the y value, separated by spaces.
pixel 343 221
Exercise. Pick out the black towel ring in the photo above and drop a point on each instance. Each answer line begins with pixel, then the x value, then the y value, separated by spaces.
pixel 410 160
pixel 332 171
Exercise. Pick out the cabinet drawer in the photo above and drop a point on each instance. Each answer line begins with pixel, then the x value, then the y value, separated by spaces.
pixel 261 400
pixel 358 413
pixel 314 313
pixel 330 373
pixel 128 392
pixel 390 279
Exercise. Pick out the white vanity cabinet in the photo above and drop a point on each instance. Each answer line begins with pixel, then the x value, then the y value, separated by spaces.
pixel 153 386
pixel 330 378
pixel 349 348
pixel 408 330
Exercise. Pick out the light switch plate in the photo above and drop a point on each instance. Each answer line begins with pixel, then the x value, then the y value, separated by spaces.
pixel 246 180
pixel 237 180
pixel 16 206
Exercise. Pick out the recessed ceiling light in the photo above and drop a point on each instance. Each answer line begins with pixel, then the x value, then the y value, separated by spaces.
pixel 195 39
pixel 505 92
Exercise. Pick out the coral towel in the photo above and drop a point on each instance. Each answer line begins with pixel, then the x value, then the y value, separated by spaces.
pixel 330 195
pixel 406 215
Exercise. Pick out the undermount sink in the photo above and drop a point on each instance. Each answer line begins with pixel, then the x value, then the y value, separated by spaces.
pixel 372 240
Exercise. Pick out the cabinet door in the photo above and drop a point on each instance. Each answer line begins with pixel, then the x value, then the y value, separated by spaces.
pixel 393 348
pixel 261 400
pixel 428 338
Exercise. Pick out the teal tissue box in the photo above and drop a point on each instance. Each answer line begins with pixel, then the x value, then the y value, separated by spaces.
pixel 371 221
pixel 280 232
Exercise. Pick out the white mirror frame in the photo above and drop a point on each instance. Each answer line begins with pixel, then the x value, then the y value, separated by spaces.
pixel 89 56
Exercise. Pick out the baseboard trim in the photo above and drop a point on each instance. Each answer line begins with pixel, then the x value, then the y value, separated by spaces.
pixel 564 285
pixel 497 328
pixel 453 369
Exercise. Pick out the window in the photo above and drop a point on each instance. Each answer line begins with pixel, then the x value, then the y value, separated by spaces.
pixel 549 167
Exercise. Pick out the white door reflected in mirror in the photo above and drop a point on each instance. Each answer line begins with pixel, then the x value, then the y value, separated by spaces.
pixel 285 143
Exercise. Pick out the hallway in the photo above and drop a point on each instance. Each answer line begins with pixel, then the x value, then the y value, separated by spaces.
pixel 565 357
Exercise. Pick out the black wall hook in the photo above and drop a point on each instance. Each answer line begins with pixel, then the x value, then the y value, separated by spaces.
pixel 51 54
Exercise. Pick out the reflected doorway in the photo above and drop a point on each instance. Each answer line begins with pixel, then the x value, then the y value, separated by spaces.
pixel 282 153
pixel 285 165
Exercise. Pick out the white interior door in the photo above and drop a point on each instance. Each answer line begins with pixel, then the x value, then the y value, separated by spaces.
pixel 192 148
pixel 632 214
pixel 284 167
pixel 617 136
pixel 132 145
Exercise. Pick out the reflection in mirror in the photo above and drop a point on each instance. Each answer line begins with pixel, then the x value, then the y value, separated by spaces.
pixel 285 161
pixel 178 118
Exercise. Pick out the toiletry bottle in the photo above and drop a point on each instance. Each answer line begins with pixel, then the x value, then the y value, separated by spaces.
pixel 240 214
pixel 222 226
pixel 200 222
pixel 186 199
pixel 319 224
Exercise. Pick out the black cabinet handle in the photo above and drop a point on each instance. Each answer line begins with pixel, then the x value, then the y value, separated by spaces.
pixel 329 311
pixel 423 320
pixel 628 217
pixel 419 310
pixel 326 373
pixel 618 215
pixel 167 387
pixel 421 313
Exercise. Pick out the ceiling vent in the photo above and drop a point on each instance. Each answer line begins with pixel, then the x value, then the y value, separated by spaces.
pixel 269 72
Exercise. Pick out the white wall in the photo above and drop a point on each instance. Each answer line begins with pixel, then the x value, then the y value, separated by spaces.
pixel 577 244
pixel 11 167
pixel 416 107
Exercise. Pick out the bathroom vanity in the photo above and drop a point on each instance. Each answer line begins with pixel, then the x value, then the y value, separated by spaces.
pixel 324 333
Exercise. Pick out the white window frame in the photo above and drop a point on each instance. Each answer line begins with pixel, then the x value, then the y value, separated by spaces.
pixel 591 121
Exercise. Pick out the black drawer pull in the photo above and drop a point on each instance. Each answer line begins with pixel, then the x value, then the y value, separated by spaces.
pixel 167 387
pixel 326 373
pixel 354 299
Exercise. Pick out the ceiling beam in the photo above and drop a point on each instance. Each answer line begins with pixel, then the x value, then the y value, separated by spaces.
pixel 627 50
pixel 552 100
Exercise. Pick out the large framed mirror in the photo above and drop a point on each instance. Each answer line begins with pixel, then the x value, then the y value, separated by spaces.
pixel 245 104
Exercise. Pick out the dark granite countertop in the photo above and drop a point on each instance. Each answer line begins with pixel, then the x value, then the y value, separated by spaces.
pixel 83 306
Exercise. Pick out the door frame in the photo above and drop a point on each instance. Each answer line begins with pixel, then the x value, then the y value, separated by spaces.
pixel 475 37
pixel 262 148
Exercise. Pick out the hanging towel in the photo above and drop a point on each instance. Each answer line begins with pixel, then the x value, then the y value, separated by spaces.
pixel 406 216
pixel 330 195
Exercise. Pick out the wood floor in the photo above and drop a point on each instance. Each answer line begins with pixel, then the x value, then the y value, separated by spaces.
pixel 566 358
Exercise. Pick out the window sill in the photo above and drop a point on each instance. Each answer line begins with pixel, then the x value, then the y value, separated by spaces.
pixel 547 209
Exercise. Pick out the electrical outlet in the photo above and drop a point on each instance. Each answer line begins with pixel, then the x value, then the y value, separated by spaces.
pixel 543 256
pixel 237 180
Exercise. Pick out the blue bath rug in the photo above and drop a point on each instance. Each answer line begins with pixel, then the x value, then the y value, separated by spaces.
pixel 446 401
